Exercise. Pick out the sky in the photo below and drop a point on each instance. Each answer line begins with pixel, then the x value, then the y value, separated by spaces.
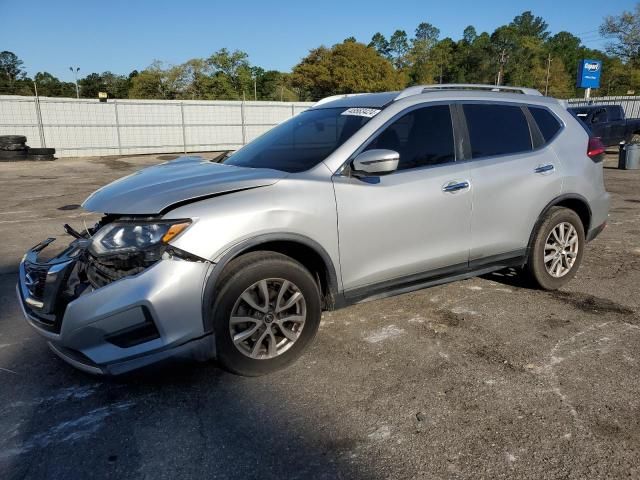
pixel 120 36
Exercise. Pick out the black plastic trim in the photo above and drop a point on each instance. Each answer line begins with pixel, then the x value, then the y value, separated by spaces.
pixel 235 251
pixel 135 334
pixel 431 278
pixel 537 140
pixel 594 232
pixel 553 203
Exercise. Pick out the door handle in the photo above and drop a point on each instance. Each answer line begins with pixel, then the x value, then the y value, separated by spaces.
pixel 546 168
pixel 454 186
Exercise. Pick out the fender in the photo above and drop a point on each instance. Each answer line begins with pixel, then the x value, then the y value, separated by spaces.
pixel 557 200
pixel 248 244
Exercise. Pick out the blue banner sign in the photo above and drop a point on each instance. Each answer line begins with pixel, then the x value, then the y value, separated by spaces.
pixel 589 73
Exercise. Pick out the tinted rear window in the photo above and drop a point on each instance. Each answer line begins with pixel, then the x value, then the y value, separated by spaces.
pixel 497 130
pixel 547 122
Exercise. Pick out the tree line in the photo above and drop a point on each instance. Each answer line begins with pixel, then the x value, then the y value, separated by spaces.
pixel 523 52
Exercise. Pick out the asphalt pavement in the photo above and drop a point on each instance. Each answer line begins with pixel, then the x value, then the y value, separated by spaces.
pixel 483 378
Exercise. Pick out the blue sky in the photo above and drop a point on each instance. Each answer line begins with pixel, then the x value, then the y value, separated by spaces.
pixel 122 35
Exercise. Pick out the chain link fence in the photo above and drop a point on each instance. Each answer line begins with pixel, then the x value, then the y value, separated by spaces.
pixel 79 127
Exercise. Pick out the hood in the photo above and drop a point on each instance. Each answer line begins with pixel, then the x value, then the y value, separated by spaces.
pixel 154 189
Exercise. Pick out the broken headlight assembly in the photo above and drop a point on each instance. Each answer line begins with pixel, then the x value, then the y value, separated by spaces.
pixel 131 237
pixel 127 247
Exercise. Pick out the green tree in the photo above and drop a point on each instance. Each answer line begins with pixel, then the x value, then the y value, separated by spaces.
pixel 116 86
pixel 235 66
pixel 380 44
pixel 11 73
pixel 423 67
pixel 399 48
pixel 565 46
pixel 469 35
pixel 344 68
pixel 528 25
pixel 51 86
pixel 152 83
pixel 624 30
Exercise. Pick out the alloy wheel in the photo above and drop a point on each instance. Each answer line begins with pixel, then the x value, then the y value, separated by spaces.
pixel 267 318
pixel 561 249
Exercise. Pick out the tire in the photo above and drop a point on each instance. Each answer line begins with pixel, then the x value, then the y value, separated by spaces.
pixel 40 158
pixel 11 155
pixel 6 139
pixel 42 151
pixel 551 276
pixel 244 277
pixel 12 146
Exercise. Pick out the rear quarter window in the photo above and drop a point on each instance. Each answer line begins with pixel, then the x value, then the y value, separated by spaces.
pixel 497 129
pixel 547 122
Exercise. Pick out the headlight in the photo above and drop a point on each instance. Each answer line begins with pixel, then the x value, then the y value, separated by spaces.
pixel 131 236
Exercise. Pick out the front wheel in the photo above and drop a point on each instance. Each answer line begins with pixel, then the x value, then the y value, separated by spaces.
pixel 266 312
pixel 557 249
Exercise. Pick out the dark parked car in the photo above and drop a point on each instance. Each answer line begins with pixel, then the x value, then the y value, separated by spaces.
pixel 609 123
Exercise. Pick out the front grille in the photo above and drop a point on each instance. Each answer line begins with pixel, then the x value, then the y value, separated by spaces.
pixel 37 278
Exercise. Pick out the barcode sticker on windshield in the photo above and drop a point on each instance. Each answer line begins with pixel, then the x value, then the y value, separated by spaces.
pixel 361 112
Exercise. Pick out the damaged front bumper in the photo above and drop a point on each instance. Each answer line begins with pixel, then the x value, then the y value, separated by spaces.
pixel 120 326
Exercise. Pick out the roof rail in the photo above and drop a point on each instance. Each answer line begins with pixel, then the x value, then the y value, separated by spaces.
pixel 335 97
pixel 418 89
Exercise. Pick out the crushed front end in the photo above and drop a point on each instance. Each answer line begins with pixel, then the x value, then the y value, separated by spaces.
pixel 119 297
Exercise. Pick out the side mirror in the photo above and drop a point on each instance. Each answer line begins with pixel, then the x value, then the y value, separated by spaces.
pixel 376 162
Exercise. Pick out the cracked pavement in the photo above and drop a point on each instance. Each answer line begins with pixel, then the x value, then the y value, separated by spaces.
pixel 482 378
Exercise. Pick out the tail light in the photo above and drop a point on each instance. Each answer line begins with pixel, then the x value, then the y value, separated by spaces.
pixel 595 149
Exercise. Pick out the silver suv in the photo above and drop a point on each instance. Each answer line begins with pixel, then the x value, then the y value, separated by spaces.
pixel 359 197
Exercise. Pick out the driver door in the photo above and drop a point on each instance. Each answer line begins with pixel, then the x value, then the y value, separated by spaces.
pixel 409 224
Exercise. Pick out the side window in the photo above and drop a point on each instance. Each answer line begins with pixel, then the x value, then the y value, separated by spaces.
pixel 615 113
pixel 547 122
pixel 599 116
pixel 422 137
pixel 497 129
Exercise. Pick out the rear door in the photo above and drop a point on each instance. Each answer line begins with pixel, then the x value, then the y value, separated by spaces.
pixel 514 174
pixel 413 221
pixel 617 124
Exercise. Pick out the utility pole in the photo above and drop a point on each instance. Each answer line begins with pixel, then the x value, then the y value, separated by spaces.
pixel 546 86
pixel 255 88
pixel 502 61
pixel 75 72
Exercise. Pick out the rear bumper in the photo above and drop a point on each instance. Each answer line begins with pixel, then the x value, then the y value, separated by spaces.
pixel 125 325
pixel 599 215
pixel 594 232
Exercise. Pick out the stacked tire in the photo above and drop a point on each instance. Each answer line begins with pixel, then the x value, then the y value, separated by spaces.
pixel 40 154
pixel 14 147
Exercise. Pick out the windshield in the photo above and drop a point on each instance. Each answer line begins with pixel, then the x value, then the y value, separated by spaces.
pixel 303 141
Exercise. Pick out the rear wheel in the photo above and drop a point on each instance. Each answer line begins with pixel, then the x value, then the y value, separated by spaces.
pixel 557 249
pixel 266 312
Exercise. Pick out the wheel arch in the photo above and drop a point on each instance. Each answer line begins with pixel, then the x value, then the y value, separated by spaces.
pixel 572 201
pixel 303 249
